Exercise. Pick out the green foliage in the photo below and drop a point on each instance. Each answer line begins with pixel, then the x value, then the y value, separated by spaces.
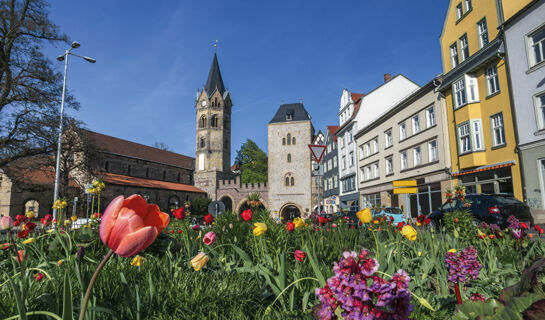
pixel 253 163
pixel 461 224
pixel 199 206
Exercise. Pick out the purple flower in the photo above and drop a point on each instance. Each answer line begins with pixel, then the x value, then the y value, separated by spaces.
pixel 517 233
pixel 514 223
pixel 463 265
pixel 494 227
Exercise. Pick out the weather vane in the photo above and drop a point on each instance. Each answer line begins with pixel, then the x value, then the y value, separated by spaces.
pixel 215 45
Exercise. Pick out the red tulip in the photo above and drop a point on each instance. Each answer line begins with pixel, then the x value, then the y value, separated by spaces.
pixel 247 215
pixel 22 234
pixel 523 225
pixel 179 213
pixel 300 255
pixel 5 246
pixel 20 255
pixel 171 231
pixel 321 220
pixel 131 225
pixel 455 220
pixel 290 226
pixel 196 227
pixel 179 230
pixel 208 218
pixel 39 276
pixel 209 238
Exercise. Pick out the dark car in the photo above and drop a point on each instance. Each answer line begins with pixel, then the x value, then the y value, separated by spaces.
pixel 490 208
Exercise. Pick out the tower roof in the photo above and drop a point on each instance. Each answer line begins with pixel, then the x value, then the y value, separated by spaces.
pixel 291 112
pixel 214 81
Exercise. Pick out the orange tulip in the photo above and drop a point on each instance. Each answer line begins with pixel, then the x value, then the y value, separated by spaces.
pixel 130 225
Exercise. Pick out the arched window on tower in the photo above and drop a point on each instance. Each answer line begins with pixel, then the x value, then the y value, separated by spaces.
pixel 289 139
pixel 215 101
pixel 293 140
pixel 214 121
pixel 289 157
pixel 289 180
pixel 283 141
pixel 202 122
pixel 292 181
pixel 203 142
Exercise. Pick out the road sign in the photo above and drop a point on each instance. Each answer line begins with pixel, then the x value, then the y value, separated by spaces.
pixel 317 151
pixel 404 183
pixel 317 169
pixel 216 208
pixel 404 190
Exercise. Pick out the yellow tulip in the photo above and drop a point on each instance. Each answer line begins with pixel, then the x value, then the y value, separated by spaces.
pixel 375 221
pixel 419 253
pixel 409 232
pixel 29 240
pixel 74 218
pixel 59 263
pixel 299 223
pixel 452 251
pixel 199 261
pixel 365 215
pixel 259 229
pixel 30 214
pixel 67 222
pixel 137 261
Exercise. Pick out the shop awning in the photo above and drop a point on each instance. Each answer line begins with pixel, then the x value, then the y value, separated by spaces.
pixel 484 168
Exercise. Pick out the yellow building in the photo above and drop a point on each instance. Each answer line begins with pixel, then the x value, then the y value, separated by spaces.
pixel 476 91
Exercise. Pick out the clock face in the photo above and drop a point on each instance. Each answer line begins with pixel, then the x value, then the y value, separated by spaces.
pixel 203 103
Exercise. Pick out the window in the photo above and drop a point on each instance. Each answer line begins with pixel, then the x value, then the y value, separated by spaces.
pixel 388 138
pixel 106 165
pixel 389 165
pixel 477 137
pixel 377 174
pixel 289 157
pixel 293 140
pixel 350 138
pixel 540 111
pixel 202 122
pixel 537 46
pixel 129 170
pixel 432 150
pixel 459 11
pixel 361 152
pixel 164 175
pixel 482 32
pixel 404 163
pixel 492 84
pixel 464 139
pixel 366 147
pixel 344 163
pixel 342 141
pixel 147 172
pixel 289 116
pixel 473 91
pixel 351 158
pixel 367 173
pixel 464 48
pixel 329 148
pixel 283 141
pixel 329 164
pixel 416 124
pixel 287 182
pixel 417 156
pixel 459 93
pixel 214 121
pixel 498 133
pixel 430 117
pixel 362 174
pixel 454 55
pixel 203 142
pixel 375 145
pixel 325 166
pixel 335 162
pixel 402 132
pixel 468 5
pixel 289 138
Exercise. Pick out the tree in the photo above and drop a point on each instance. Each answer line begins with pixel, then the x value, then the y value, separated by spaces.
pixel 30 88
pixel 253 163
pixel 162 146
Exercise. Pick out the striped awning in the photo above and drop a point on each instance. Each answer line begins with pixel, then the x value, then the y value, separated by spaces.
pixel 484 168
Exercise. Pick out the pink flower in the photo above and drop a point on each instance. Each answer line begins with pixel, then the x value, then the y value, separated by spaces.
pixel 209 238
pixel 300 255
pixel 6 223
pixel 334 225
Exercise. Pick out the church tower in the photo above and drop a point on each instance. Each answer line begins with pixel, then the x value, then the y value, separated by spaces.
pixel 213 138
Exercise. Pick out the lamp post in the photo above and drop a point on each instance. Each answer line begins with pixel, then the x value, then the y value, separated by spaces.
pixel 64 57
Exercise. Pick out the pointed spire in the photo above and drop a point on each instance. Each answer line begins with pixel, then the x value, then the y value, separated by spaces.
pixel 214 81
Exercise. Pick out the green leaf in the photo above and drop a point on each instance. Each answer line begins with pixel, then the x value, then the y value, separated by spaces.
pixel 338 313
pixel 425 303
pixel 67 309
pixel 18 298
pixel 306 296
pixel 128 295
pixel 319 275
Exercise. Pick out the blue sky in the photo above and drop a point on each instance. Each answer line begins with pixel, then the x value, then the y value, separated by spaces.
pixel 152 56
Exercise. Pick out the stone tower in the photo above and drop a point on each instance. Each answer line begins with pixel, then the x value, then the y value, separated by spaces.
pixel 213 138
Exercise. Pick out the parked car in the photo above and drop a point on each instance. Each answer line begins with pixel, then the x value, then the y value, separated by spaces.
pixel 490 208
pixel 395 212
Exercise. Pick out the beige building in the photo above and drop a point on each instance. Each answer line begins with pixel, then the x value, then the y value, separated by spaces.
pixel 290 180
pixel 407 142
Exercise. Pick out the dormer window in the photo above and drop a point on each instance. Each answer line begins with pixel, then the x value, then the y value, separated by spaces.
pixel 289 115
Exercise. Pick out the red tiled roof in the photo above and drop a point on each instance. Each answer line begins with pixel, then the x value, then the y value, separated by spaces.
pixel 332 130
pixel 146 183
pixel 136 150
pixel 356 109
pixel 34 171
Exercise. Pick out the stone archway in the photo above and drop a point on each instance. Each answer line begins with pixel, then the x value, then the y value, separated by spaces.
pixel 290 211
pixel 242 205
pixel 228 202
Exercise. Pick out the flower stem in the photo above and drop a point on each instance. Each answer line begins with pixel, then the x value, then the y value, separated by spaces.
pixel 458 295
pixel 91 283
pixel 20 260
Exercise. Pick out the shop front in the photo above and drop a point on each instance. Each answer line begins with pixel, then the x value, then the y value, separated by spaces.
pixel 489 179
pixel 331 204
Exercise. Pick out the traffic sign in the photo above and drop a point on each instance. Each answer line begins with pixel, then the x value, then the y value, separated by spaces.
pixel 216 208
pixel 405 190
pixel 317 151
pixel 404 183
pixel 317 169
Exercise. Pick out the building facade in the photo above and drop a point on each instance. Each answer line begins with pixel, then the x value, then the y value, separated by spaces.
pixel 289 164
pixel 330 179
pixel 475 86
pixel 213 137
pixel 525 52
pixel 408 142
pixel 348 109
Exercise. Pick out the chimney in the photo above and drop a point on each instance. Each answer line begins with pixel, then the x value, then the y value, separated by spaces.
pixel 387 77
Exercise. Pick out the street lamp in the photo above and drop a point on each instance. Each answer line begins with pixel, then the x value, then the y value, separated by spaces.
pixel 64 57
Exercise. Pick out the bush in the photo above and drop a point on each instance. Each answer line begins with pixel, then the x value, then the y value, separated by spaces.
pixel 460 223
pixel 199 206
